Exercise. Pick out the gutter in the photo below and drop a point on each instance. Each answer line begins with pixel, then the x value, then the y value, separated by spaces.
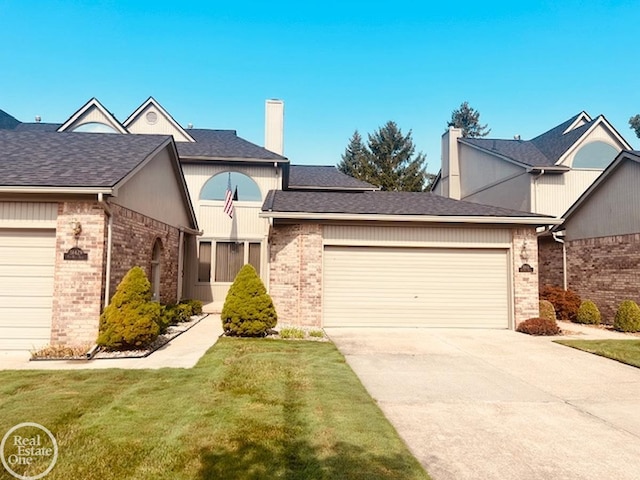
pixel 107 211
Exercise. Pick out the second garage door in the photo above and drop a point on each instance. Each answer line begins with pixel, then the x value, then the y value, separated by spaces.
pixel 389 286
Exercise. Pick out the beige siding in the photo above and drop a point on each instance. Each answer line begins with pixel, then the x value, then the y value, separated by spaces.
pixel 27 259
pixel 600 133
pixel 154 191
pixel 414 236
pixel 554 194
pixel 612 209
pixel 514 193
pixel 28 215
pixel 479 169
pixel 162 125
pixel 383 286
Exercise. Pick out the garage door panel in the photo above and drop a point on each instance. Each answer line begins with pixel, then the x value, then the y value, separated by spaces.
pixel 380 286
pixel 27 262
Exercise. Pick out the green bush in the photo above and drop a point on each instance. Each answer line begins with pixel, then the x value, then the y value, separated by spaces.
pixel 566 302
pixel 547 310
pixel 248 310
pixel 196 306
pixel 627 317
pixel 291 332
pixel 588 313
pixel 538 326
pixel 131 320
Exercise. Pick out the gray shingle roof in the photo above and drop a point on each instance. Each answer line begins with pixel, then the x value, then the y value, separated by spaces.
pixel 7 121
pixel 46 159
pixel 381 203
pixel 223 144
pixel 324 177
pixel 38 127
pixel 542 151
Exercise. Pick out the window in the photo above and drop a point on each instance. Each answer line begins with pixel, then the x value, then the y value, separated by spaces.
pixel 594 155
pixel 94 127
pixel 225 259
pixel 245 189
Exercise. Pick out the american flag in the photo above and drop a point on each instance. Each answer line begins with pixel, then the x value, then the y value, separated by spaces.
pixel 228 199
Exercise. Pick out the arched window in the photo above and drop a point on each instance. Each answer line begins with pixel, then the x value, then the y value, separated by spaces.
pixel 94 127
pixel 156 256
pixel 244 188
pixel 594 155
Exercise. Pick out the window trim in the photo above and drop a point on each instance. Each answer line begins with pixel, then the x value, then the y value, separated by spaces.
pixel 213 242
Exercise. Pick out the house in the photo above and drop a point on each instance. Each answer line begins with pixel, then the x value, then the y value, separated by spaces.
pixel 543 175
pixel 77 210
pixel 332 250
pixel 601 238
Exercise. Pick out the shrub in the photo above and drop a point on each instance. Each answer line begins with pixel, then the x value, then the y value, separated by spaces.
pixel 248 310
pixel 566 302
pixel 131 320
pixel 195 305
pixel 292 332
pixel 627 317
pixel 539 326
pixel 547 310
pixel 588 313
pixel 316 333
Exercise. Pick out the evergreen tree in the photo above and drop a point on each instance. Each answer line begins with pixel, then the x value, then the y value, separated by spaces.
pixel 388 161
pixel 468 120
pixel 634 123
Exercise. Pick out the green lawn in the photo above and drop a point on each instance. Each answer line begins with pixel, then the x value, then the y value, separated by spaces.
pixel 250 409
pixel 625 351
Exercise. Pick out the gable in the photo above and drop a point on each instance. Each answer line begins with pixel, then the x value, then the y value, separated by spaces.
pixel 611 208
pixel 150 117
pixel 596 149
pixel 92 117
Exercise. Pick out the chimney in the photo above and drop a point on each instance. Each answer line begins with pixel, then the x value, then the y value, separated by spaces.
pixel 450 173
pixel 274 126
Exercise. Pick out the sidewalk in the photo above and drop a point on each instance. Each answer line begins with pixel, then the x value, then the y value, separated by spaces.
pixel 577 331
pixel 183 351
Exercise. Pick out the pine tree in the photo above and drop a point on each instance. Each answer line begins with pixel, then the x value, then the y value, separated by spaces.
pixel 634 123
pixel 387 161
pixel 468 120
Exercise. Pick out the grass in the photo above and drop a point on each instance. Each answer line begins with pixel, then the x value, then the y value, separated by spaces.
pixel 291 332
pixel 625 351
pixel 250 409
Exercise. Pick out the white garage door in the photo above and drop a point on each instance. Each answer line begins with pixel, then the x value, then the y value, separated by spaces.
pixel 380 286
pixel 27 260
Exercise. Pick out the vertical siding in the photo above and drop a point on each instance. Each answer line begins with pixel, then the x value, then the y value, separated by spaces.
pixel 479 169
pixel 514 193
pixel 162 126
pixel 406 236
pixel 554 194
pixel 28 214
pixel 612 209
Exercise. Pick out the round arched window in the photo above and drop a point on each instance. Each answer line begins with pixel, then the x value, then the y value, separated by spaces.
pixel 594 155
pixel 243 187
pixel 94 127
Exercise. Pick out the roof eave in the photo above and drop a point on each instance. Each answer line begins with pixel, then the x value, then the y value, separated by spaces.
pixel 487 220
pixel 57 190
pixel 206 158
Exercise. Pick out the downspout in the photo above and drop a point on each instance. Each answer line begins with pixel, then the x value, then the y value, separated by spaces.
pixel 107 210
pixel 535 191
pixel 564 258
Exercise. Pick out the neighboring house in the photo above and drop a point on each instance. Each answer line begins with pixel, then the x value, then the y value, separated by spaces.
pixel 76 212
pixel 543 175
pixel 601 235
pixel 331 249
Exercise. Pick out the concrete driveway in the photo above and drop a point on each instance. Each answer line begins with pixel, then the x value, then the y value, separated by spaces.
pixel 495 404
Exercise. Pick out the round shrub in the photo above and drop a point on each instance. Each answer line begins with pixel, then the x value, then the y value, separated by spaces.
pixel 566 302
pixel 195 305
pixel 588 313
pixel 538 326
pixel 627 317
pixel 131 320
pixel 248 310
pixel 547 310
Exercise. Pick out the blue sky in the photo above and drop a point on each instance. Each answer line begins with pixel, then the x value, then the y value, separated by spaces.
pixel 338 66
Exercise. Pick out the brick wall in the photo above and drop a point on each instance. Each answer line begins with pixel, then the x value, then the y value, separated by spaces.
pixel 79 285
pixel 525 295
pixel 550 262
pixel 295 280
pixel 77 292
pixel 133 238
pixel 605 270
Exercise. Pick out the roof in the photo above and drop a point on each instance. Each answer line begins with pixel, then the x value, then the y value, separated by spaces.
pixel 623 156
pixel 382 203
pixel 542 151
pixel 72 160
pixel 324 177
pixel 7 121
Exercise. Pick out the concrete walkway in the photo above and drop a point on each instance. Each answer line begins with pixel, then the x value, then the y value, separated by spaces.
pixel 496 404
pixel 183 351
